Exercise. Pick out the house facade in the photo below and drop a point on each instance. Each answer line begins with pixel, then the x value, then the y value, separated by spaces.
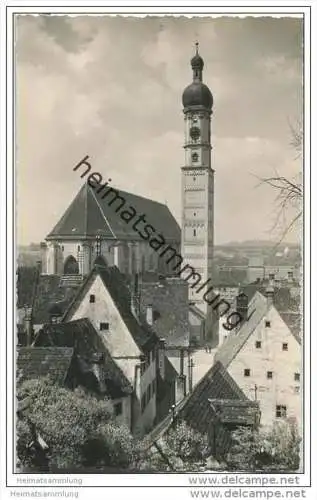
pixel 104 298
pixel 264 357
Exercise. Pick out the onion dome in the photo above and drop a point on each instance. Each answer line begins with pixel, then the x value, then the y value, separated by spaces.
pixel 197 62
pixel 197 93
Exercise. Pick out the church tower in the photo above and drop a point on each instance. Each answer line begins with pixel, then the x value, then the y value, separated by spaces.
pixel 198 189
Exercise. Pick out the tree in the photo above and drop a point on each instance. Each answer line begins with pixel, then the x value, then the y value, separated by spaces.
pixel 245 444
pixel 186 443
pixel 181 449
pixel 79 429
pixel 289 191
pixel 276 449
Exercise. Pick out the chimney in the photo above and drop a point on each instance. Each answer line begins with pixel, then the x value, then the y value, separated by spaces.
pixel 43 246
pixel 270 295
pixel 161 358
pixel 97 361
pixel 28 322
pixel 149 314
pixel 39 265
pixel 242 305
pixel 135 297
pixel 181 362
pixel 180 392
pixel 290 276
pixel 55 313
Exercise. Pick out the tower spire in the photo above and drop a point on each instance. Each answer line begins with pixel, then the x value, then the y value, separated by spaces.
pixel 197 64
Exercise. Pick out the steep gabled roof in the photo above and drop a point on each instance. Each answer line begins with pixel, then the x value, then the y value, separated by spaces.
pixel 89 215
pixel 195 409
pixel 114 281
pixel 230 348
pixel 35 362
pixel 216 384
pixel 294 322
pixel 81 336
pixel 235 342
pixel 50 292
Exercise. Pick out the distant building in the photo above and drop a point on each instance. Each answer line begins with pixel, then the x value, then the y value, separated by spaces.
pixel 264 357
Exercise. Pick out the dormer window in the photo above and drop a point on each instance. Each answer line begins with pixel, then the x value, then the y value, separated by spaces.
pixel 104 326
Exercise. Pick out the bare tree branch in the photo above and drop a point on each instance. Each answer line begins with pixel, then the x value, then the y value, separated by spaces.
pixel 289 192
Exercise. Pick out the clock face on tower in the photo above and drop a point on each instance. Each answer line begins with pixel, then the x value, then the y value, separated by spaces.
pixel 194 133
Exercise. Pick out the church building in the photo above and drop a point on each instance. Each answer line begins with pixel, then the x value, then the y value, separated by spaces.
pixel 91 227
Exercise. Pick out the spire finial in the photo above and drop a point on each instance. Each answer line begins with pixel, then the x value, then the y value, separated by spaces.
pixel 197 47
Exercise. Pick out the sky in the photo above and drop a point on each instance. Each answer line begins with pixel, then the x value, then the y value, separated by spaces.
pixel 111 88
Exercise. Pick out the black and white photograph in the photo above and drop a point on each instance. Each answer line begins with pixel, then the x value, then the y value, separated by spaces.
pixel 160 235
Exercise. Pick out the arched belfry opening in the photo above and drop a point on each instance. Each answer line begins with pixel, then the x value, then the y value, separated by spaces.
pixel 71 265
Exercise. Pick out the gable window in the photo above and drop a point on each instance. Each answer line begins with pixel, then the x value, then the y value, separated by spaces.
pixel 285 347
pixel 104 326
pixel 258 344
pixel 297 377
pixel 92 298
pixel 118 409
pixel 247 372
pixel 269 374
pixel 281 411
pixel 267 324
